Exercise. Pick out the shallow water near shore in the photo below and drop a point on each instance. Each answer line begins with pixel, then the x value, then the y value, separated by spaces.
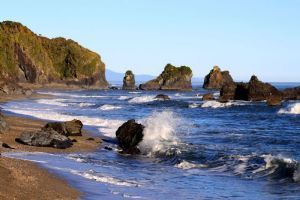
pixel 191 149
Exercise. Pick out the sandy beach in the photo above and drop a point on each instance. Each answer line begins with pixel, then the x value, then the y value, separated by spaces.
pixel 25 180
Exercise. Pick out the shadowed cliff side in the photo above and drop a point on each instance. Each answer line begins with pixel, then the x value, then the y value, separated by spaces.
pixel 28 58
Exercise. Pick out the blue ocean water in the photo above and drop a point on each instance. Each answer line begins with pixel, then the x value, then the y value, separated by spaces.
pixel 191 149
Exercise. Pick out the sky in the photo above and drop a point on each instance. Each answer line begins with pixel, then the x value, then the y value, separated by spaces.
pixel 247 37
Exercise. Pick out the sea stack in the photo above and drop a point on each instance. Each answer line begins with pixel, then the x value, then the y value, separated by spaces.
pixel 254 90
pixel 172 78
pixel 29 58
pixel 129 81
pixel 216 79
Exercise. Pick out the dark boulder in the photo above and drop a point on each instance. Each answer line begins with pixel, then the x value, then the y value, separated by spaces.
pixel 68 128
pixel 259 90
pixel 45 138
pixel 172 78
pixel 292 93
pixel 255 90
pixel 113 88
pixel 217 78
pixel 274 100
pixel 162 97
pixel 129 81
pixel 129 135
pixel 208 97
pixel 3 124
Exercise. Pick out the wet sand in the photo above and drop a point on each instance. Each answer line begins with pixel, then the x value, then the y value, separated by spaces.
pixel 24 179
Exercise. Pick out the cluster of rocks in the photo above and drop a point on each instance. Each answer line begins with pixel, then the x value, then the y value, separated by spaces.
pixel 53 134
pixel 9 88
pixel 254 90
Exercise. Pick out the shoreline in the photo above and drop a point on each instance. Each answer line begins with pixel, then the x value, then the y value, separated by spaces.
pixel 22 179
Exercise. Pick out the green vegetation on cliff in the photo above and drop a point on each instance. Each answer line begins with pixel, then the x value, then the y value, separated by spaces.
pixel 27 57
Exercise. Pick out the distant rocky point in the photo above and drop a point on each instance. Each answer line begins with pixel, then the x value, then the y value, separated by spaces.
pixel 217 78
pixel 129 81
pixel 172 78
pixel 26 57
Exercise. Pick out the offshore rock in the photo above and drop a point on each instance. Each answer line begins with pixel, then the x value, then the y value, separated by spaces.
pixel 172 78
pixel 129 135
pixel 274 100
pixel 129 81
pixel 162 97
pixel 208 97
pixel 292 93
pixel 217 78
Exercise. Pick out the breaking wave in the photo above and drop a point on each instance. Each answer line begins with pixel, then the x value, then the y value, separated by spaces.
pixel 291 109
pixel 142 99
pixel 216 104
pixel 109 107
pixel 55 102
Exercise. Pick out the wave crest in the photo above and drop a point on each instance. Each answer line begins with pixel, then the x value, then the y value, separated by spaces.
pixel 291 109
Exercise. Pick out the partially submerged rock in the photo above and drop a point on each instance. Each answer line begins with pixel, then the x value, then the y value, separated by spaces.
pixel 3 124
pixel 208 97
pixel 292 93
pixel 172 78
pixel 162 97
pixel 217 78
pixel 255 90
pixel 68 128
pixel 45 138
pixel 274 100
pixel 129 135
pixel 129 81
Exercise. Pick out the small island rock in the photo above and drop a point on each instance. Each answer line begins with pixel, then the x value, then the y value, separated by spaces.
pixel 129 81
pixel 217 78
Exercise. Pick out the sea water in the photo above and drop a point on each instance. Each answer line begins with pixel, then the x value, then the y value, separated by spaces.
pixel 192 149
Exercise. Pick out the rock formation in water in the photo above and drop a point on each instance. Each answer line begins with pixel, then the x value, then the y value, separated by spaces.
pixel 129 135
pixel 255 90
pixel 28 58
pixel 292 93
pixel 208 97
pixel 216 79
pixel 172 78
pixel 129 81
pixel 162 97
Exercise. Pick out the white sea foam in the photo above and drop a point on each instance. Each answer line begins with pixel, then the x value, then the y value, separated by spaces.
pixel 107 126
pixel 134 92
pixel 123 97
pixel 194 105
pixel 71 95
pixel 83 104
pixel 216 104
pixel 160 132
pixel 105 179
pixel 54 102
pixel 188 165
pixel 142 99
pixel 109 107
pixel 291 109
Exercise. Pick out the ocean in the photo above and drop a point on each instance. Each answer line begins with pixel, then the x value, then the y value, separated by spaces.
pixel 191 149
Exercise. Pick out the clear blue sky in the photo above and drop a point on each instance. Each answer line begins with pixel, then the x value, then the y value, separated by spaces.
pixel 259 37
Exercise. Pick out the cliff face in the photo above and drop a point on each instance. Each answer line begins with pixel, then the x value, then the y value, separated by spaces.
pixel 27 57
pixel 217 78
pixel 172 78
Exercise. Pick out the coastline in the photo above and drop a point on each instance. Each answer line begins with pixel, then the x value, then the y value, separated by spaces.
pixel 26 180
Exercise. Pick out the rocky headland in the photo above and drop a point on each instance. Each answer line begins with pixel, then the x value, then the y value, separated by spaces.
pixel 172 78
pixel 26 57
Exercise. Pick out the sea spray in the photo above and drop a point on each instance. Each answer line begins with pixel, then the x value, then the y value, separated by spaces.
pixel 160 133
pixel 291 109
